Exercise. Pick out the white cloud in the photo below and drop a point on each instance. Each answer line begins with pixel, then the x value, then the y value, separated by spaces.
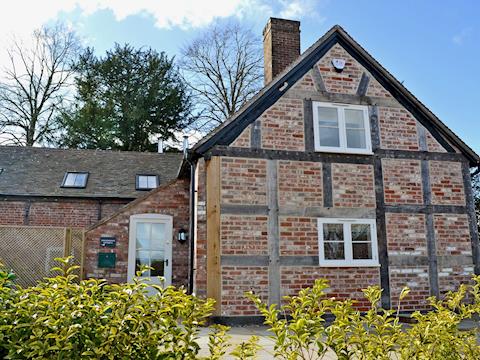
pixel 295 9
pixel 21 16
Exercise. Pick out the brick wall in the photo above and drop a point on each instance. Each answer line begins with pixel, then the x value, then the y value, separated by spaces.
pixel 447 183
pixel 236 280
pixel 243 235
pixel 282 126
pixel 398 129
pixel 80 213
pixel 402 181
pixel 300 183
pixel 12 212
pixel 345 82
pixel 171 199
pixel 353 186
pixel 298 236
pixel 243 181
pixel 406 234
pixel 417 279
pixel 344 282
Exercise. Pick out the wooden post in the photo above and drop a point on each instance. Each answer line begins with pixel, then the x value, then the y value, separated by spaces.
pixel 214 278
pixel 67 245
pixel 82 255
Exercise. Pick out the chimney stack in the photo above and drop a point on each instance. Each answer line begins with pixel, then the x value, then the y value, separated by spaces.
pixel 281 46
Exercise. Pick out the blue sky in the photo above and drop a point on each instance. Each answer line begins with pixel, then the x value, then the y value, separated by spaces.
pixel 432 46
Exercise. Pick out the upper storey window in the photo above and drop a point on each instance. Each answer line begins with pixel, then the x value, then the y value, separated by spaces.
pixel 75 180
pixel 341 128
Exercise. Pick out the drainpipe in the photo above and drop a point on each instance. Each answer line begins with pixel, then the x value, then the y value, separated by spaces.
pixel 193 213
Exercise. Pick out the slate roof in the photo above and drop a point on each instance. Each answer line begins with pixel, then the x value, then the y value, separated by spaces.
pixel 33 171
pixel 228 131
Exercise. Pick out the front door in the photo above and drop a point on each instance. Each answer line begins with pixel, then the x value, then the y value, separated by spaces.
pixel 151 244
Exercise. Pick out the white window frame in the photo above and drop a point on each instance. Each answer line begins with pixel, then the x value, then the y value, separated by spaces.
pixel 347 233
pixel 341 129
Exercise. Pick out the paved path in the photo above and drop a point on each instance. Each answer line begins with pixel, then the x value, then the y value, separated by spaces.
pixel 241 334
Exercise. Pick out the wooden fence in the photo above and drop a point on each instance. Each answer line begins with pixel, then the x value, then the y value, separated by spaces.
pixel 29 251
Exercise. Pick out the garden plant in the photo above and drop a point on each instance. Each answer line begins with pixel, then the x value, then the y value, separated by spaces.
pixel 64 318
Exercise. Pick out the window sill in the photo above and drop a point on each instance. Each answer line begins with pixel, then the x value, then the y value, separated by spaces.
pixel 343 151
pixel 347 265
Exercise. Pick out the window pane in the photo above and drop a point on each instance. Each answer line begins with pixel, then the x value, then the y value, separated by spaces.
pixel 152 182
pixel 329 137
pixel 142 258
pixel 143 236
pixel 356 139
pixel 327 116
pixel 69 180
pixel 354 119
pixel 334 250
pixel 158 263
pixel 361 232
pixel 362 250
pixel 333 232
pixel 158 236
pixel 142 182
pixel 80 179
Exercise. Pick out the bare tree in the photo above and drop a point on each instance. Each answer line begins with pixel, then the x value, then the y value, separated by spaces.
pixel 223 66
pixel 35 85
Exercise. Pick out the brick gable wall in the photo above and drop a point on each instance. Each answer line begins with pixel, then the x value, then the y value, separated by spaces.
pixel 307 187
pixel 171 199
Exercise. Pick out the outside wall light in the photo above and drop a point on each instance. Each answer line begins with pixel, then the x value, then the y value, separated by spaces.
pixel 182 235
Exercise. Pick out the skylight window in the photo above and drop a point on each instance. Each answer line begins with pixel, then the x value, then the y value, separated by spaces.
pixel 147 182
pixel 75 180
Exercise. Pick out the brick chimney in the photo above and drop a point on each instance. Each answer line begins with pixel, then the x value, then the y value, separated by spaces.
pixel 281 46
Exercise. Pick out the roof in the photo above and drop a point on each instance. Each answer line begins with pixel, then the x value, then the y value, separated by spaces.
pixel 232 127
pixel 33 171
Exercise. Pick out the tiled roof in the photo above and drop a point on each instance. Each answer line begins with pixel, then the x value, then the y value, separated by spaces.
pixel 33 171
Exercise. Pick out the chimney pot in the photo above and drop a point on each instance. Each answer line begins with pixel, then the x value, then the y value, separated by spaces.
pixel 281 46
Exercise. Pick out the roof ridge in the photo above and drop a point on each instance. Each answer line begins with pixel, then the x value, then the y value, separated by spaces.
pixel 108 151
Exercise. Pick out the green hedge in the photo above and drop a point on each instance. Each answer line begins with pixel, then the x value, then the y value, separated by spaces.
pixel 62 318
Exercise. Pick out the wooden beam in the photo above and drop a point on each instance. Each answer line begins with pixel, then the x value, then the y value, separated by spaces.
pixel 214 276
pixel 273 234
pixel 363 85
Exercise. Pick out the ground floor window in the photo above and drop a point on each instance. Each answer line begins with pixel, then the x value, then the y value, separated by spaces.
pixel 347 242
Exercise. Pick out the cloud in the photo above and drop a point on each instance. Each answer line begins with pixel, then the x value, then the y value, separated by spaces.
pixel 21 16
pixel 295 9
pixel 459 38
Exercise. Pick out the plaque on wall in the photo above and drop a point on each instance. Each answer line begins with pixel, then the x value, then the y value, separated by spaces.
pixel 108 241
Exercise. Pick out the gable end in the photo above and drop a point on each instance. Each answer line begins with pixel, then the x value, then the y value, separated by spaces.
pixel 233 127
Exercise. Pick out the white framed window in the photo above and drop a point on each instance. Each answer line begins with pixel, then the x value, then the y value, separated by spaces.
pixel 347 242
pixel 341 128
pixel 146 182
pixel 75 180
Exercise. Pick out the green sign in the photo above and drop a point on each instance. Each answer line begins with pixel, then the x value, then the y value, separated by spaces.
pixel 107 260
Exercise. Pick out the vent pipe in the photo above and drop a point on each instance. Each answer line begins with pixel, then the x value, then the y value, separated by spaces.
pixel 185 146
pixel 160 146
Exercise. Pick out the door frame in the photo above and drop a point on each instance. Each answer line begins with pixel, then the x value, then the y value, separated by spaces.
pixel 150 218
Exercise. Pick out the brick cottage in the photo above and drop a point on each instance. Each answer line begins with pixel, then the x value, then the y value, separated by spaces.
pixel 333 170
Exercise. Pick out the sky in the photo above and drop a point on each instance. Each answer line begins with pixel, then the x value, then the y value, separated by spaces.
pixel 432 46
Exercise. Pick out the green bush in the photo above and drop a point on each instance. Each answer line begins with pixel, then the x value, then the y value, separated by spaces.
pixel 299 330
pixel 62 318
